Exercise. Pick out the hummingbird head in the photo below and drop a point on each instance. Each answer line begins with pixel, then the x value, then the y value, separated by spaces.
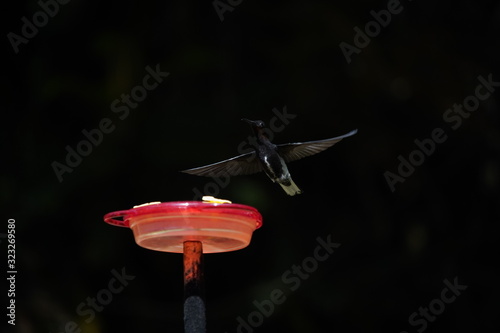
pixel 255 124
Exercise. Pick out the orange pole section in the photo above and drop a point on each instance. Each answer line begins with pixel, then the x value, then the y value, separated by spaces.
pixel 194 304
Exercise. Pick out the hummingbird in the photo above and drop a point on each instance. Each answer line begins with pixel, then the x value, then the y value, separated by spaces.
pixel 268 157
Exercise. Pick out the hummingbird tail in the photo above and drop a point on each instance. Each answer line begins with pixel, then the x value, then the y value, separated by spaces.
pixel 291 189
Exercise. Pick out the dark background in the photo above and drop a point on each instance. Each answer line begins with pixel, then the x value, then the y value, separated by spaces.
pixel 397 247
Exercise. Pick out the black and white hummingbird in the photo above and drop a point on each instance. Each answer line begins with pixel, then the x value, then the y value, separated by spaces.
pixel 268 157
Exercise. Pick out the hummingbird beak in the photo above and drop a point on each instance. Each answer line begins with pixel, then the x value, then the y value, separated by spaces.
pixel 248 121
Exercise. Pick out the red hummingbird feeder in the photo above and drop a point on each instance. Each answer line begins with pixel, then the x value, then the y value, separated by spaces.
pixel 192 228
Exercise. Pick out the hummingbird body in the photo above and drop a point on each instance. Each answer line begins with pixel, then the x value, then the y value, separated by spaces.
pixel 267 157
pixel 273 164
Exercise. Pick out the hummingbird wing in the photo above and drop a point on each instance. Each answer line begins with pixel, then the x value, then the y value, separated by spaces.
pixel 295 151
pixel 244 164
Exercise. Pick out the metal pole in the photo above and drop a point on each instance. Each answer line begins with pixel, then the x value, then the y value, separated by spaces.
pixel 194 304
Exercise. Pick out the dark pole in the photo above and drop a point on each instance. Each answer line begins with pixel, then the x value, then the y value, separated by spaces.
pixel 194 304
